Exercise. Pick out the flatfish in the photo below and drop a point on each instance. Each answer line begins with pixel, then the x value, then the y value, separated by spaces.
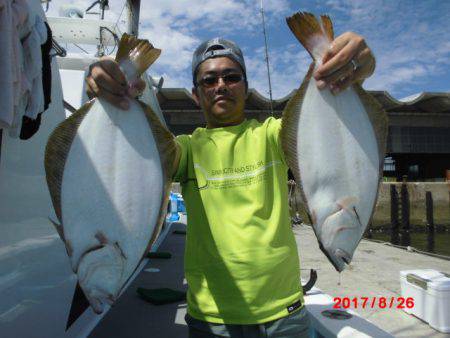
pixel 335 146
pixel 109 175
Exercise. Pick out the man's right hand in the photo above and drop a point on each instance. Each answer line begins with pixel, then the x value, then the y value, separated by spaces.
pixel 106 80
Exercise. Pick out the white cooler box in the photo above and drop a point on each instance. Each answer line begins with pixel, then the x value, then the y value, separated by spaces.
pixel 430 290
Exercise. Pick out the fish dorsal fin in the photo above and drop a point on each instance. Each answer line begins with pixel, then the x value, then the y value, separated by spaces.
pixel 165 141
pixel 56 150
pixel 288 134
pixel 379 119
pixel 59 229
pixel 315 36
pixel 140 54
pixel 169 154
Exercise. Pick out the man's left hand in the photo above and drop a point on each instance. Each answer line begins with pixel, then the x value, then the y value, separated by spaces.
pixel 348 60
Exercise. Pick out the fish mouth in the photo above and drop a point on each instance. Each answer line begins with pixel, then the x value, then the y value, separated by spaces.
pixel 343 255
pixel 338 258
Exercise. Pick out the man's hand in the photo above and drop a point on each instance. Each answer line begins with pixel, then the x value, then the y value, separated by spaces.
pixel 348 60
pixel 106 80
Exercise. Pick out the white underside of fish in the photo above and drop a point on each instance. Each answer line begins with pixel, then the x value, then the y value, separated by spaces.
pixel 339 165
pixel 111 195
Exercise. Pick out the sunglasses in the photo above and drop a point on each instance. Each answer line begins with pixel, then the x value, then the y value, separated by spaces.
pixel 212 80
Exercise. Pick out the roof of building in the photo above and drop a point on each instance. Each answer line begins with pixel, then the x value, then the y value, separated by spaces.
pixel 425 102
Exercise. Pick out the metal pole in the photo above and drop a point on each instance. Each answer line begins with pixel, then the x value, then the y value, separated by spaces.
pixel 406 238
pixel 102 9
pixel 430 221
pixel 133 7
pixel 1 132
pixel 394 215
pixel 267 56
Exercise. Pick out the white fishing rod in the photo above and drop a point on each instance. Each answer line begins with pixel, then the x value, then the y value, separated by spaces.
pixel 267 56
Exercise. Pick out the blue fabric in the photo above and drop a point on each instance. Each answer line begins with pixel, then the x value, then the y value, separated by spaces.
pixel 296 325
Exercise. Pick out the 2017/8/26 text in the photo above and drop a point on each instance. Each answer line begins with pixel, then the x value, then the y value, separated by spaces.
pixel 372 302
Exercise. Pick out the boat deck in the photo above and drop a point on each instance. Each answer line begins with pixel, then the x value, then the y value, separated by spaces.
pixel 373 273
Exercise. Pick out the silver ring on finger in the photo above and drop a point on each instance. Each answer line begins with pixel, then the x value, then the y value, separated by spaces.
pixel 354 64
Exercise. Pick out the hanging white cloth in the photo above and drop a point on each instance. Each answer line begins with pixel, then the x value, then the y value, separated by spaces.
pixel 8 73
pixel 22 32
pixel 21 29
pixel 33 66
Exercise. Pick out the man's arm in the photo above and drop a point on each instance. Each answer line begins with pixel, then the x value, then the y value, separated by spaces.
pixel 337 71
pixel 106 80
pixel 181 162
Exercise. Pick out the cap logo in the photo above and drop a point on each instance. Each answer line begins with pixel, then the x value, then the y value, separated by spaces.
pixel 216 52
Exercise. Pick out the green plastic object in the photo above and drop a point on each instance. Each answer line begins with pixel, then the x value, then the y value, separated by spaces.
pixel 161 296
pixel 164 255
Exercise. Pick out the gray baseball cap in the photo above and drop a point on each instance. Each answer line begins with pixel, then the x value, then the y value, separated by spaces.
pixel 217 47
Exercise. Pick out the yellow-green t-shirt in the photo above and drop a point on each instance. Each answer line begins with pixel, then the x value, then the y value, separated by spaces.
pixel 241 260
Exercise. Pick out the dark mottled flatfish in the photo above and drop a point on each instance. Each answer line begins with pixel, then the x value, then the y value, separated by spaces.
pixel 335 147
pixel 109 175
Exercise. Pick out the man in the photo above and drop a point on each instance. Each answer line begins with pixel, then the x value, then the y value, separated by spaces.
pixel 241 259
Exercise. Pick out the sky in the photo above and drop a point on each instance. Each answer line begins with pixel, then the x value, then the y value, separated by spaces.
pixel 410 39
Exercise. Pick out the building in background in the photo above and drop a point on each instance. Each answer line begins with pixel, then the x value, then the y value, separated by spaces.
pixel 418 143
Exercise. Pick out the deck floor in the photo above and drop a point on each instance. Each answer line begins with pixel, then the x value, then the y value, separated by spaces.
pixel 374 272
pixel 133 317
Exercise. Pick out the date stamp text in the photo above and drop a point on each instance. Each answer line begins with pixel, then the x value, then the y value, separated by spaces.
pixel 373 302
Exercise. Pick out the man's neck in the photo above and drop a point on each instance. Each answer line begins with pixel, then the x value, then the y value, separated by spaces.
pixel 212 125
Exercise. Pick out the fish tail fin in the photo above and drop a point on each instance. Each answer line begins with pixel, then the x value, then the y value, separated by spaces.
pixel 126 44
pixel 315 36
pixel 327 27
pixel 140 52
